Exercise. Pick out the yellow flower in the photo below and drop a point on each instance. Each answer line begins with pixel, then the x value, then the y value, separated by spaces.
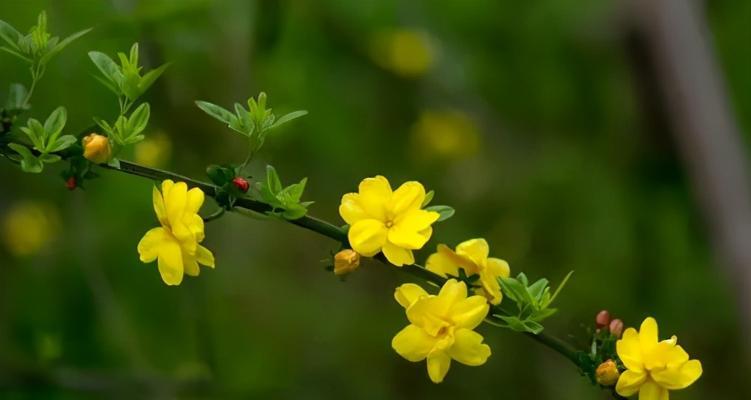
pixel 441 327
pixel 472 257
pixel 29 226
pixel 97 149
pixel 346 261
pixel 406 52
pixel 175 243
pixel 392 222
pixel 445 135
pixel 653 367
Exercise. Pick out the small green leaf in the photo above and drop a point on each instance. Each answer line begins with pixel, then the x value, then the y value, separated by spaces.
pixel 62 143
pixel 15 53
pixel 272 180
pixel 428 199
pixel 49 158
pixel 150 77
pixel 288 117
pixel 29 163
pixel 294 211
pixel 216 111
pixel 108 67
pixel 446 212
pixel 63 43
pixel 563 283
pixel 55 123
pixel 9 34
pixel 138 119
pixel 115 163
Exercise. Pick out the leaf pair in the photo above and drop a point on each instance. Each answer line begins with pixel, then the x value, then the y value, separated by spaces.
pixel 127 130
pixel 125 80
pixel 284 200
pixel 532 302
pixel 46 140
pixel 38 46
pixel 445 212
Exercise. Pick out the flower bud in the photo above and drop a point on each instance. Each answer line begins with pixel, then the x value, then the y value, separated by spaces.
pixel 607 373
pixel 346 261
pixel 71 183
pixel 97 149
pixel 241 184
pixel 602 319
pixel 616 327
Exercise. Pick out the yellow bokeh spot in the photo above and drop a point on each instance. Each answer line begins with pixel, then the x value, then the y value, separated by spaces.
pixel 406 52
pixel 29 226
pixel 154 151
pixel 446 134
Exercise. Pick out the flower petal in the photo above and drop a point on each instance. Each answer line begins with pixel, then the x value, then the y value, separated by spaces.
pixel 678 377
pixel 629 350
pixel 413 343
pixel 351 210
pixel 195 200
pixel 426 314
pixel 442 264
pixel 498 267
pixel 204 256
pixel 175 199
pixel 476 250
pixel 648 333
pixel 170 262
pixel 652 391
pixel 158 200
pixel 148 247
pixel 409 196
pixel 408 293
pixel 367 237
pixel 438 366
pixel 375 194
pixel 408 232
pixel 470 312
pixel 190 265
pixel 397 255
pixel 629 382
pixel 468 348
pixel 451 293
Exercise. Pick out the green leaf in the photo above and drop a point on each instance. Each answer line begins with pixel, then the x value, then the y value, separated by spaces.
pixel 428 199
pixel 295 191
pixel 15 53
pixel 536 291
pixel 55 123
pixel 533 326
pixel 29 163
pixel 62 143
pixel 63 43
pixel 272 180
pixel 108 84
pixel 16 97
pixel 288 117
pixel 138 119
pixel 150 77
pixel 216 111
pixel 9 34
pixel 108 67
pixel 563 283
pixel 49 158
pixel 446 212
pixel 35 132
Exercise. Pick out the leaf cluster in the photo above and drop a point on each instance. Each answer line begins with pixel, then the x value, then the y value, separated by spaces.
pixel 601 349
pixel 46 139
pixel 222 176
pixel 127 130
pixel 284 200
pixel 532 302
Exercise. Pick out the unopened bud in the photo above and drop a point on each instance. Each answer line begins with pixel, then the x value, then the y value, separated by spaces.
pixel 602 319
pixel 616 327
pixel 607 373
pixel 96 148
pixel 71 183
pixel 241 184
pixel 346 261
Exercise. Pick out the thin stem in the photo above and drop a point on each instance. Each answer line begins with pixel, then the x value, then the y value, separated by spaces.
pixel 36 75
pixel 214 216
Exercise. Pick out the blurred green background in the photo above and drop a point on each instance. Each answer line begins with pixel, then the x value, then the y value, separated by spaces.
pixel 524 116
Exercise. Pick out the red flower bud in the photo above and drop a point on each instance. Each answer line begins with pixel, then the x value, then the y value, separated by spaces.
pixel 602 319
pixel 241 184
pixel 71 183
pixel 616 327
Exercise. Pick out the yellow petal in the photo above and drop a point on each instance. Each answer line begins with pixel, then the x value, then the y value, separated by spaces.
pixel 148 247
pixel 195 226
pixel 397 255
pixel 204 256
pixel 498 267
pixel 195 200
pixel 648 333
pixel 408 231
pixel 408 293
pixel 442 264
pixel 375 194
pixel 426 314
pixel 175 200
pixel 678 377
pixel 629 382
pixel 629 350
pixel 475 249
pixel 413 343
pixel 490 286
pixel 451 293
pixel 652 391
pixel 409 196
pixel 468 348
pixel 664 355
pixel 351 210
pixel 170 262
pixel 469 313
pixel 438 366
pixel 158 200
pixel 367 237
pixel 190 265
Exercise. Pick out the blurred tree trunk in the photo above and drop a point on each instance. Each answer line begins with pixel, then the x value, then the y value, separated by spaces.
pixel 672 47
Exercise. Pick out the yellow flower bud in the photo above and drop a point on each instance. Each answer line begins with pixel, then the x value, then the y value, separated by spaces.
pixel 346 261
pixel 96 148
pixel 607 373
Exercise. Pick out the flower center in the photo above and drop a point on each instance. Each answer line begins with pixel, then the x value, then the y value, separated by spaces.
pixel 389 224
